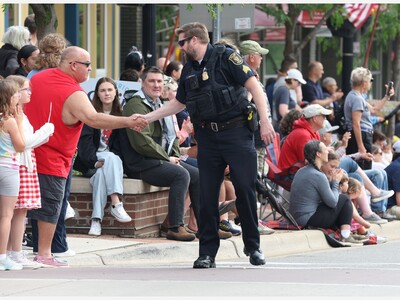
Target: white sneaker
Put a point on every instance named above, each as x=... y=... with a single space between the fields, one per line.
x=95 y=228
x=119 y=213
x=9 y=264
x=234 y=226
x=20 y=258
x=67 y=253
x=70 y=213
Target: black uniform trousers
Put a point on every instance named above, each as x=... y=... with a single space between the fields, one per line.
x=216 y=150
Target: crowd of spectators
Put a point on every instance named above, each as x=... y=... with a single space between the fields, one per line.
x=349 y=178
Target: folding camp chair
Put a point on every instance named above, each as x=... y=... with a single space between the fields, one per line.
x=275 y=184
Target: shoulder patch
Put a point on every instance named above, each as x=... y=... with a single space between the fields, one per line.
x=236 y=59
x=246 y=69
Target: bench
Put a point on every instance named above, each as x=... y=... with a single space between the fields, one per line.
x=146 y=204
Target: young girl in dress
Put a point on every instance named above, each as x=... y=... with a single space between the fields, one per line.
x=29 y=193
x=11 y=143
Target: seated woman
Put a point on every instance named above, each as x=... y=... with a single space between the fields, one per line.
x=95 y=160
x=316 y=202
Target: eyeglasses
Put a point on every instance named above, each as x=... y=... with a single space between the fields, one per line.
x=86 y=63
x=26 y=89
x=183 y=41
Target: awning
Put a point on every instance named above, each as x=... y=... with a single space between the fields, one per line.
x=310 y=19
x=273 y=31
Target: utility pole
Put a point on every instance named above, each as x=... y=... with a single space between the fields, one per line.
x=216 y=36
x=149 y=34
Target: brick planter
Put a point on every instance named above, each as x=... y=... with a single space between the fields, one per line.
x=147 y=205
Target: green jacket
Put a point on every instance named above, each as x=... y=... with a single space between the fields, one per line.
x=148 y=141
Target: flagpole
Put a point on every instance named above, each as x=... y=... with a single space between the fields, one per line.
x=371 y=38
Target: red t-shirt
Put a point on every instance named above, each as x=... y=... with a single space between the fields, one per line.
x=50 y=89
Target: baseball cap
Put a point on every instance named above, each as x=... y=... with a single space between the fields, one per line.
x=315 y=110
x=170 y=83
x=327 y=128
x=396 y=147
x=248 y=47
x=295 y=74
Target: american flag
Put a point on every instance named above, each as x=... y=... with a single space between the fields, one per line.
x=359 y=13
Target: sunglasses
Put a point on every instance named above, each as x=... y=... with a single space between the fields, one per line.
x=85 y=63
x=183 y=41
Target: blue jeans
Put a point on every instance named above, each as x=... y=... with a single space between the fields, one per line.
x=378 y=178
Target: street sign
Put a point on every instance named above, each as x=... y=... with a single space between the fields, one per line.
x=233 y=17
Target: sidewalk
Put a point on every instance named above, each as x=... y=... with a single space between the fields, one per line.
x=111 y=250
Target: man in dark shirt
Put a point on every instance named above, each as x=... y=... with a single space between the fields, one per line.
x=312 y=90
x=213 y=87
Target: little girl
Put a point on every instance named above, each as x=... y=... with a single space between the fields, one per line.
x=11 y=142
x=29 y=193
x=354 y=191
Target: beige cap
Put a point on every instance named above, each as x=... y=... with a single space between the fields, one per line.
x=315 y=110
x=248 y=47
x=327 y=128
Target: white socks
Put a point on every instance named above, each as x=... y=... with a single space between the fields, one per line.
x=345 y=233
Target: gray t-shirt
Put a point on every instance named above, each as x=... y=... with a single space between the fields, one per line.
x=282 y=96
x=355 y=102
x=309 y=189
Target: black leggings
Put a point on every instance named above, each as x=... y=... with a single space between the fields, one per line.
x=327 y=217
x=353 y=148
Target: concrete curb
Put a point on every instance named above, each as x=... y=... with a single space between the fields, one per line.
x=94 y=252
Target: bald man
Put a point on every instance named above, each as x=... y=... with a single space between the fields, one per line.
x=58 y=98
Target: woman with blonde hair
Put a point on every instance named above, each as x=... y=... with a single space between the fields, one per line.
x=357 y=113
x=14 y=39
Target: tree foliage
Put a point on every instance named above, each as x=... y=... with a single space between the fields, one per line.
x=45 y=18
x=288 y=17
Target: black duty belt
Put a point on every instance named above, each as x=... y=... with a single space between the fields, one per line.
x=222 y=126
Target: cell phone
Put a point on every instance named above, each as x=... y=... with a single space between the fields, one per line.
x=390 y=86
x=101 y=159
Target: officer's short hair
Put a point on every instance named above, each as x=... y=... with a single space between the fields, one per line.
x=152 y=69
x=196 y=29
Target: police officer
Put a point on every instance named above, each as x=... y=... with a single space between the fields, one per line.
x=213 y=88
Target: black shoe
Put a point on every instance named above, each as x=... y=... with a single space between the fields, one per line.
x=256 y=257
x=27 y=240
x=204 y=262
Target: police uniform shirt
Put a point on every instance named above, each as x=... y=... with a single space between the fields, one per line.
x=235 y=70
